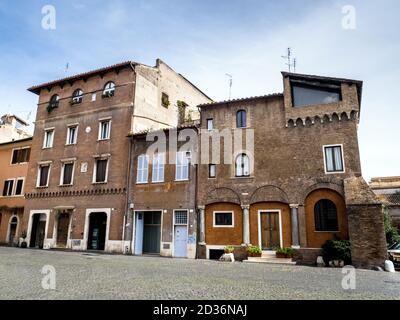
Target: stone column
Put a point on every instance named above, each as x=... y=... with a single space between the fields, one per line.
x=246 y=225
x=202 y=224
x=295 y=225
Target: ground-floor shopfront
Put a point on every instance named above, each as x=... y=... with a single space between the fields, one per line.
x=80 y=223
x=164 y=232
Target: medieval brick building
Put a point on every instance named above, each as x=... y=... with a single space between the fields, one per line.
x=285 y=185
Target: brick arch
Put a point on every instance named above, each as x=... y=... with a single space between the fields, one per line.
x=269 y=193
x=315 y=239
x=333 y=185
x=222 y=195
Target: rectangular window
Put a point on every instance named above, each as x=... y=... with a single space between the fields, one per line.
x=142 y=169
x=67 y=173
x=101 y=170
x=21 y=155
x=8 y=188
x=43 y=175
x=72 y=134
x=333 y=159
x=182 y=165
x=210 y=124
x=18 y=187
x=48 y=138
x=212 y=170
x=223 y=219
x=304 y=95
x=158 y=167
x=104 y=130
x=181 y=217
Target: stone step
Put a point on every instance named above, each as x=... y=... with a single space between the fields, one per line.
x=269 y=260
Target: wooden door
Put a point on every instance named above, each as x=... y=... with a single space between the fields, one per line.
x=270 y=230
x=62 y=230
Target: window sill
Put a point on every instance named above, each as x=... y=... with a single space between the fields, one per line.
x=70 y=144
x=243 y=177
x=141 y=183
x=157 y=182
x=18 y=164
x=47 y=148
x=65 y=185
x=42 y=187
x=98 y=140
x=103 y=182
x=13 y=196
x=181 y=180
x=335 y=172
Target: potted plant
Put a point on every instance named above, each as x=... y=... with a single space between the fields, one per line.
x=229 y=249
x=254 y=251
x=284 y=253
x=23 y=237
x=336 y=253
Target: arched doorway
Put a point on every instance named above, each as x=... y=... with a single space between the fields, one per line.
x=97 y=231
x=12 y=231
x=325 y=217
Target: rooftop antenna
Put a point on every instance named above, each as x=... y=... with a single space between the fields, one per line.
x=230 y=84
x=66 y=67
x=290 y=63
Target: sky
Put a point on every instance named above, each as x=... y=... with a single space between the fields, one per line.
x=204 y=40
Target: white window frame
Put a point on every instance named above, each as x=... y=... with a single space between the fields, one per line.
x=95 y=169
x=12 y=189
x=46 y=132
x=22 y=188
x=156 y=167
x=249 y=163
x=41 y=164
x=324 y=156
x=178 y=167
x=12 y=155
x=109 y=129
x=224 y=226
x=64 y=162
x=75 y=125
x=141 y=169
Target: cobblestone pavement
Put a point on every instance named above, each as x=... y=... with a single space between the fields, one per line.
x=99 y=276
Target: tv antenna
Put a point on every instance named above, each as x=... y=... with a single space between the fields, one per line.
x=230 y=84
x=290 y=62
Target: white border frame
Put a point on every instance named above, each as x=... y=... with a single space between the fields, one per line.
x=30 y=221
x=342 y=152
x=88 y=212
x=57 y=213
x=188 y=165
x=69 y=126
x=45 y=136
x=63 y=163
x=259 y=212
x=211 y=247
x=22 y=188
x=12 y=189
x=95 y=169
x=109 y=120
x=224 y=226
x=48 y=174
x=134 y=228
x=137 y=168
x=173 y=231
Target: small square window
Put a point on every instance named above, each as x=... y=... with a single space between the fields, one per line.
x=223 y=219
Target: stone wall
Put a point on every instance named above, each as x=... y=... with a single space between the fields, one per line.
x=366 y=228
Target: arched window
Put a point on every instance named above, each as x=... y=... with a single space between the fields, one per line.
x=77 y=96
x=109 y=89
x=325 y=215
x=242 y=165
x=54 y=101
x=241 y=119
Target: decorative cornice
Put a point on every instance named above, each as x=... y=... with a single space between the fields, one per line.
x=325 y=118
x=76 y=193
